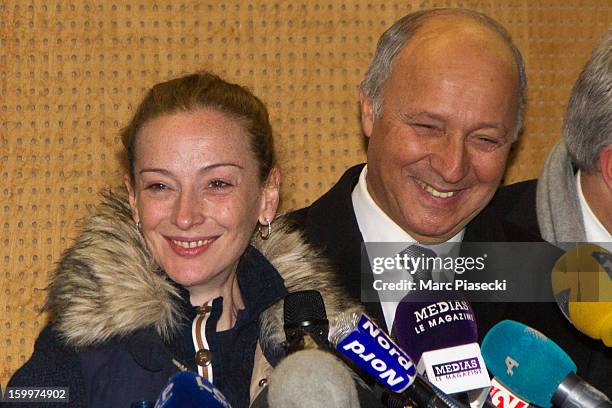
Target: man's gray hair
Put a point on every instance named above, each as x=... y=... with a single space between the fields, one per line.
x=587 y=127
x=399 y=34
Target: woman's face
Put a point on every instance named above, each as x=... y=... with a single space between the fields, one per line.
x=197 y=194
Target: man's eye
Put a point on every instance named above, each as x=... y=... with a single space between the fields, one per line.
x=427 y=128
x=488 y=140
x=487 y=143
x=424 y=126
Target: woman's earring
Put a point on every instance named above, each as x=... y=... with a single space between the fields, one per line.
x=139 y=227
x=264 y=232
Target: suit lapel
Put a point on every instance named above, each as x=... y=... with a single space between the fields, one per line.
x=332 y=224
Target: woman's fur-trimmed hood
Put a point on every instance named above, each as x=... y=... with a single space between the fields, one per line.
x=108 y=285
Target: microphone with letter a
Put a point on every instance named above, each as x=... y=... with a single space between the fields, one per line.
x=582 y=285
x=536 y=369
x=439 y=331
x=189 y=390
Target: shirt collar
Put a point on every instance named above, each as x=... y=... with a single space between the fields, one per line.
x=594 y=229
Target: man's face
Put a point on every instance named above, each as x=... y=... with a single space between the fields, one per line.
x=438 y=149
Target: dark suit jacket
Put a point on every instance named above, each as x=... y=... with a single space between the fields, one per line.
x=330 y=225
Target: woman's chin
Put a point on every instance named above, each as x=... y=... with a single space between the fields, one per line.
x=188 y=280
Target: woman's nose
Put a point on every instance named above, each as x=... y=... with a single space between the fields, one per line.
x=188 y=211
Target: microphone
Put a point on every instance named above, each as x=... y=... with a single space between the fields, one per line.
x=189 y=390
x=361 y=342
x=593 y=319
x=582 y=284
x=440 y=333
x=537 y=369
x=307 y=328
x=306 y=325
x=312 y=379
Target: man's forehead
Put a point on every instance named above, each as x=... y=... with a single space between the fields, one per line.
x=457 y=32
x=444 y=49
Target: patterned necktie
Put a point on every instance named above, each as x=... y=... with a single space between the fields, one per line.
x=421 y=263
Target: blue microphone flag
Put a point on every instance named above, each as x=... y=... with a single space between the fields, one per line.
x=369 y=347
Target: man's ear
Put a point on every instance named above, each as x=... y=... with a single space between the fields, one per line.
x=367 y=114
x=132 y=197
x=605 y=165
x=270 y=196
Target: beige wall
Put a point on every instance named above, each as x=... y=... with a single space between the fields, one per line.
x=71 y=73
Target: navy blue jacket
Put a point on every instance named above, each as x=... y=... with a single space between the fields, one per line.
x=136 y=367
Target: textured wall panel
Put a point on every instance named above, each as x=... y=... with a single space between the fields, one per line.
x=71 y=73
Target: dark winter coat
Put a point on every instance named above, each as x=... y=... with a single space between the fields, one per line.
x=119 y=328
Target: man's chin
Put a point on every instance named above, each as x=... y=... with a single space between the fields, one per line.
x=434 y=232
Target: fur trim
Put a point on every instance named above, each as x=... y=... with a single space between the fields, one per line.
x=302 y=268
x=107 y=284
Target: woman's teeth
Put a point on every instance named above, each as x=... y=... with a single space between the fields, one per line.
x=433 y=191
x=191 y=244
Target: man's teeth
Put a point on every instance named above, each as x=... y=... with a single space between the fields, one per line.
x=435 y=192
x=191 y=244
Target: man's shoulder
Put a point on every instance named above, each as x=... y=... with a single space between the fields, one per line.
x=297 y=218
x=514 y=206
x=333 y=209
x=512 y=195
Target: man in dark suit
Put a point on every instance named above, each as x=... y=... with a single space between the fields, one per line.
x=441 y=104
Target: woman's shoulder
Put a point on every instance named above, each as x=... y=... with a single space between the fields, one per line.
x=97 y=373
x=52 y=364
x=48 y=348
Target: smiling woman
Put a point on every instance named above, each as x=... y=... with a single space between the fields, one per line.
x=197 y=188
x=167 y=275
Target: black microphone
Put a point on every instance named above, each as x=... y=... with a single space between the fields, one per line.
x=307 y=328
x=306 y=325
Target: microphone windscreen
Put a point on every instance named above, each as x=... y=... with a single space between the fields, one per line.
x=312 y=379
x=582 y=284
x=425 y=321
x=593 y=319
x=527 y=362
x=305 y=305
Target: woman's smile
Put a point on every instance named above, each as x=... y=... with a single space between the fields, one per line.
x=190 y=247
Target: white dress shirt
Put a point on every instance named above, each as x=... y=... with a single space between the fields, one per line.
x=594 y=229
x=376 y=226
